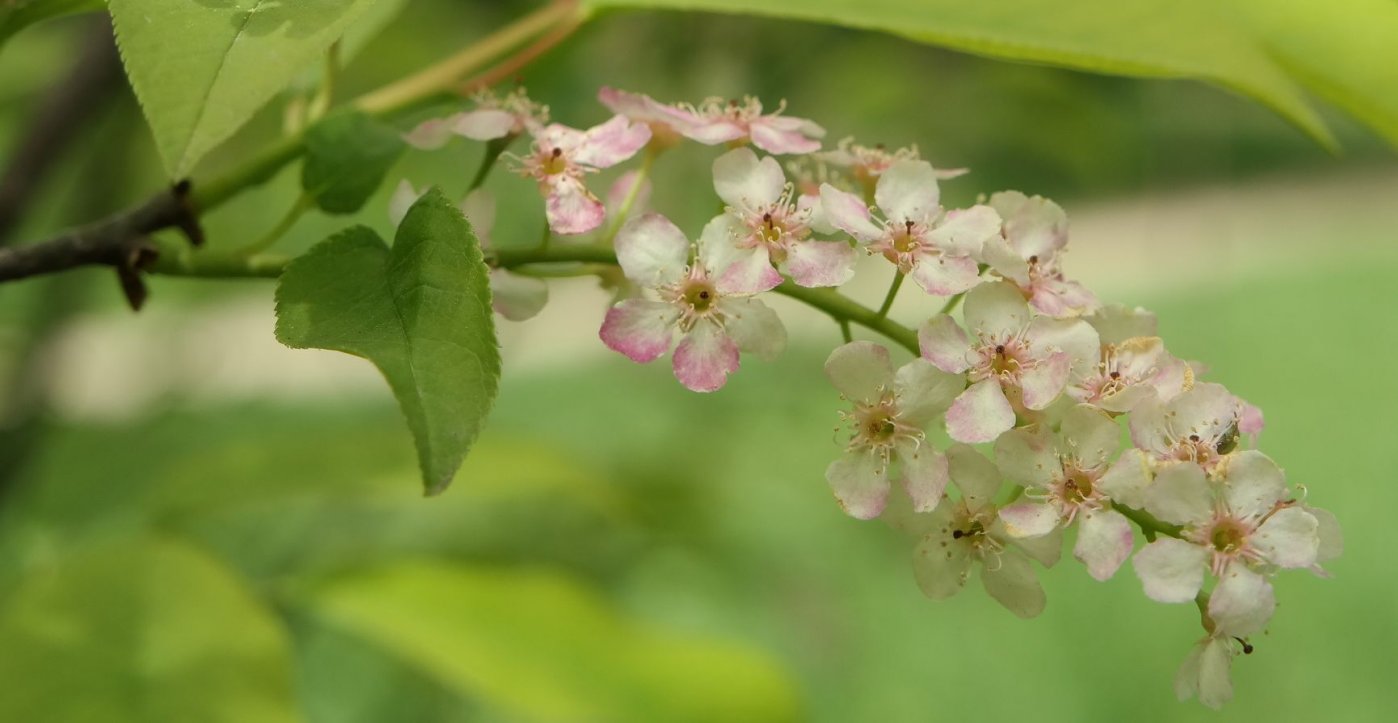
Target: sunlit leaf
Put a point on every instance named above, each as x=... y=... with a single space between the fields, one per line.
x=419 y=311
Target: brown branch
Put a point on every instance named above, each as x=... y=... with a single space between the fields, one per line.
x=93 y=79
x=120 y=241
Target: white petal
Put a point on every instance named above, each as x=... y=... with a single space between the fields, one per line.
x=1074 y=337
x=484 y=124
x=1089 y=435
x=996 y=308
x=1029 y=519
x=1180 y=495
x=820 y=263
x=1171 y=570
x=943 y=342
x=516 y=297
x=907 y=191
x=848 y=213
x=404 y=196
x=754 y=327
x=859 y=370
x=980 y=414
x=1253 y=484
x=1215 y=688
x=860 y=483
x=966 y=231
x=1104 y=542
x=1116 y=323
x=1045 y=549
x=430 y=134
x=1042 y=384
x=1127 y=478
x=943 y=275
x=745 y=183
x=941 y=564
x=975 y=476
x=1003 y=260
x=479 y=209
x=652 y=251
x=1208 y=410
x=1034 y=226
x=924 y=391
x=1014 y=584
x=1332 y=541
x=1242 y=602
x=925 y=474
x=1026 y=456
x=1289 y=538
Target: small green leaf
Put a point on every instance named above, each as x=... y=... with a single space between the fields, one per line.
x=141 y=631
x=16 y=15
x=201 y=68
x=347 y=156
x=420 y=312
x=537 y=646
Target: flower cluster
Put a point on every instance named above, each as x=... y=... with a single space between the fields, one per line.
x=1021 y=360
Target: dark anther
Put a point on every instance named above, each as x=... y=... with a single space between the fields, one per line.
x=704 y=295
x=957 y=534
x=909 y=225
x=1194 y=438
x=1000 y=349
x=557 y=152
x=1116 y=375
x=1034 y=259
x=1247 y=647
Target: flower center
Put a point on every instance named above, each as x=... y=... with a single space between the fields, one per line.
x=699 y=295
x=1003 y=362
x=877 y=425
x=1228 y=537
x=554 y=163
x=906 y=239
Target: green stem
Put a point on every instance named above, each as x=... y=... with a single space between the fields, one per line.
x=1150 y=526
x=632 y=194
x=293 y=214
x=323 y=97
x=950 y=306
x=845 y=332
x=892 y=293
x=493 y=150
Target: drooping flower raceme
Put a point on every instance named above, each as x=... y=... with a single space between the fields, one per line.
x=1016 y=362
x=561 y=156
x=937 y=248
x=891 y=412
x=714 y=321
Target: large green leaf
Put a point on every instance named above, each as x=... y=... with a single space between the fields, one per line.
x=420 y=312
x=347 y=156
x=1150 y=38
x=202 y=67
x=16 y=15
x=145 y=631
x=539 y=647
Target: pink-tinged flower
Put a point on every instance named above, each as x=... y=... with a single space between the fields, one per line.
x=865 y=164
x=716 y=121
x=493 y=118
x=1130 y=372
x=965 y=532
x=1332 y=541
x=665 y=121
x=1237 y=529
x=1199 y=425
x=891 y=412
x=1205 y=671
x=713 y=321
x=1028 y=254
x=936 y=248
x=561 y=156
x=512 y=296
x=1116 y=323
x=1015 y=361
x=1061 y=474
x=765 y=229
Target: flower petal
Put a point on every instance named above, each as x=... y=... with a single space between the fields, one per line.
x=610 y=143
x=847 y=212
x=431 y=134
x=1180 y=495
x=1089 y=435
x=975 y=476
x=943 y=342
x=980 y=414
x=1029 y=519
x=941 y=564
x=965 y=231
x=925 y=474
x=516 y=297
x=1253 y=483
x=996 y=308
x=705 y=358
x=1045 y=549
x=1332 y=541
x=484 y=124
x=860 y=370
x=1043 y=383
x=745 y=183
x=1014 y=584
x=1116 y=323
x=1073 y=337
x=907 y=191
x=404 y=196
x=1026 y=456
x=1289 y=538
x=754 y=327
x=1204 y=674
x=712 y=132
x=924 y=391
x=859 y=480
x=1104 y=542
x=479 y=209
x=571 y=208
x=773 y=138
x=820 y=263
x=943 y=275
x=652 y=251
x=622 y=188
x=1034 y=226
x=1242 y=602
x=1126 y=480
x=1171 y=570
x=639 y=328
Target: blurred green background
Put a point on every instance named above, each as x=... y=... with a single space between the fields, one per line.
x=196 y=524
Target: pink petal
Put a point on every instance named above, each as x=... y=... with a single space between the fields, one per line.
x=1056 y=297
x=1042 y=384
x=705 y=358
x=859 y=370
x=1074 y=337
x=925 y=474
x=774 y=139
x=484 y=124
x=652 y=251
x=1171 y=570
x=820 y=263
x=610 y=143
x=980 y=414
x=639 y=328
x=571 y=208
x=1104 y=542
x=712 y=132
x=943 y=342
x=1029 y=519
x=859 y=480
x=907 y=191
x=945 y=275
x=848 y=213
x=745 y=183
x=749 y=272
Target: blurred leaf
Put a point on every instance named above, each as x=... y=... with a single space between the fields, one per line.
x=1147 y=38
x=143 y=630
x=420 y=312
x=347 y=156
x=539 y=647
x=202 y=67
x=16 y=15
x=1345 y=51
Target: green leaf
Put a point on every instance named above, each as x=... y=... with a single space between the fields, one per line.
x=141 y=631
x=1146 y=38
x=347 y=156
x=420 y=312
x=16 y=15
x=201 y=68
x=538 y=646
